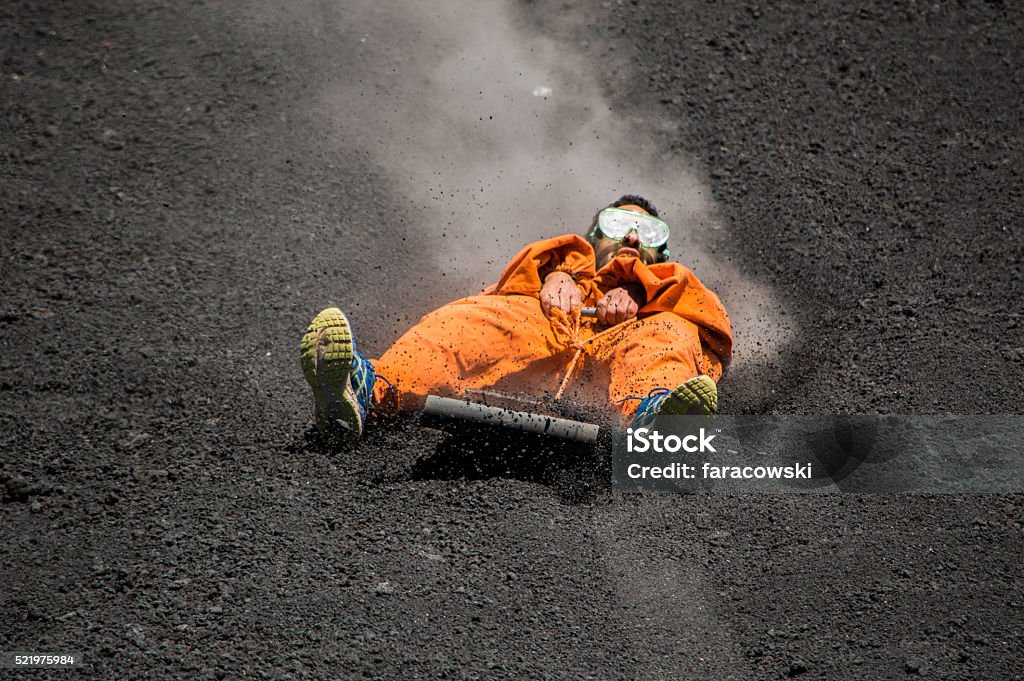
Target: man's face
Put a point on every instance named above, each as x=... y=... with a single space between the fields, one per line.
x=606 y=248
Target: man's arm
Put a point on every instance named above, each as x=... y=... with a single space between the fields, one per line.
x=559 y=291
x=618 y=305
x=621 y=304
x=671 y=287
x=528 y=271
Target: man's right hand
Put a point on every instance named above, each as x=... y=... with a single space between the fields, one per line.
x=559 y=290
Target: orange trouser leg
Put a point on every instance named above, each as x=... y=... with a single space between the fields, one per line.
x=660 y=351
x=500 y=342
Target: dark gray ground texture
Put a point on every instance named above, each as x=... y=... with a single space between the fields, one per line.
x=169 y=226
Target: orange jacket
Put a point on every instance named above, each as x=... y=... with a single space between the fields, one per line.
x=670 y=287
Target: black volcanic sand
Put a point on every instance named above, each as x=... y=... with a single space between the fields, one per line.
x=169 y=227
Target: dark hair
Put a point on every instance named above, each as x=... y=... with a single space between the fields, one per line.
x=635 y=200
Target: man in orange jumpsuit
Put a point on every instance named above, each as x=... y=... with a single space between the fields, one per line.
x=660 y=337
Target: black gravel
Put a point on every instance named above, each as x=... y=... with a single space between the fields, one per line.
x=167 y=222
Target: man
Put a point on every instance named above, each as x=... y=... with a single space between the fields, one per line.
x=658 y=344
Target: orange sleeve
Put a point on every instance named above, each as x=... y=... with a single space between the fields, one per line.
x=569 y=253
x=671 y=287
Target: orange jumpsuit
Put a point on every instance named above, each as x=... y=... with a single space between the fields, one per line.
x=501 y=340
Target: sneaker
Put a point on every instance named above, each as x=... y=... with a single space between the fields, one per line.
x=341 y=379
x=697 y=397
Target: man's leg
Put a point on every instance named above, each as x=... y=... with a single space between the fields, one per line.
x=500 y=342
x=662 y=351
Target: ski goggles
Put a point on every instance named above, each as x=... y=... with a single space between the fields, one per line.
x=616 y=223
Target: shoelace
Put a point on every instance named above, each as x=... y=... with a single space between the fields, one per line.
x=391 y=388
x=369 y=408
x=647 y=410
x=653 y=393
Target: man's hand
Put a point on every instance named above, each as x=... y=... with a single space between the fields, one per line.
x=559 y=291
x=620 y=304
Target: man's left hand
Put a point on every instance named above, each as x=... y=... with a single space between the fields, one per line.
x=617 y=306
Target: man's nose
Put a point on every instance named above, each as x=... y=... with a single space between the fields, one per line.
x=632 y=239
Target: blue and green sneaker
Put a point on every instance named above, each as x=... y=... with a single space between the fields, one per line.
x=697 y=397
x=341 y=379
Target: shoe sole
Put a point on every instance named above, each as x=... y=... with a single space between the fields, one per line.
x=696 y=397
x=326 y=355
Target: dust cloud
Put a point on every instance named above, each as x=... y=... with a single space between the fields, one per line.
x=498 y=136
